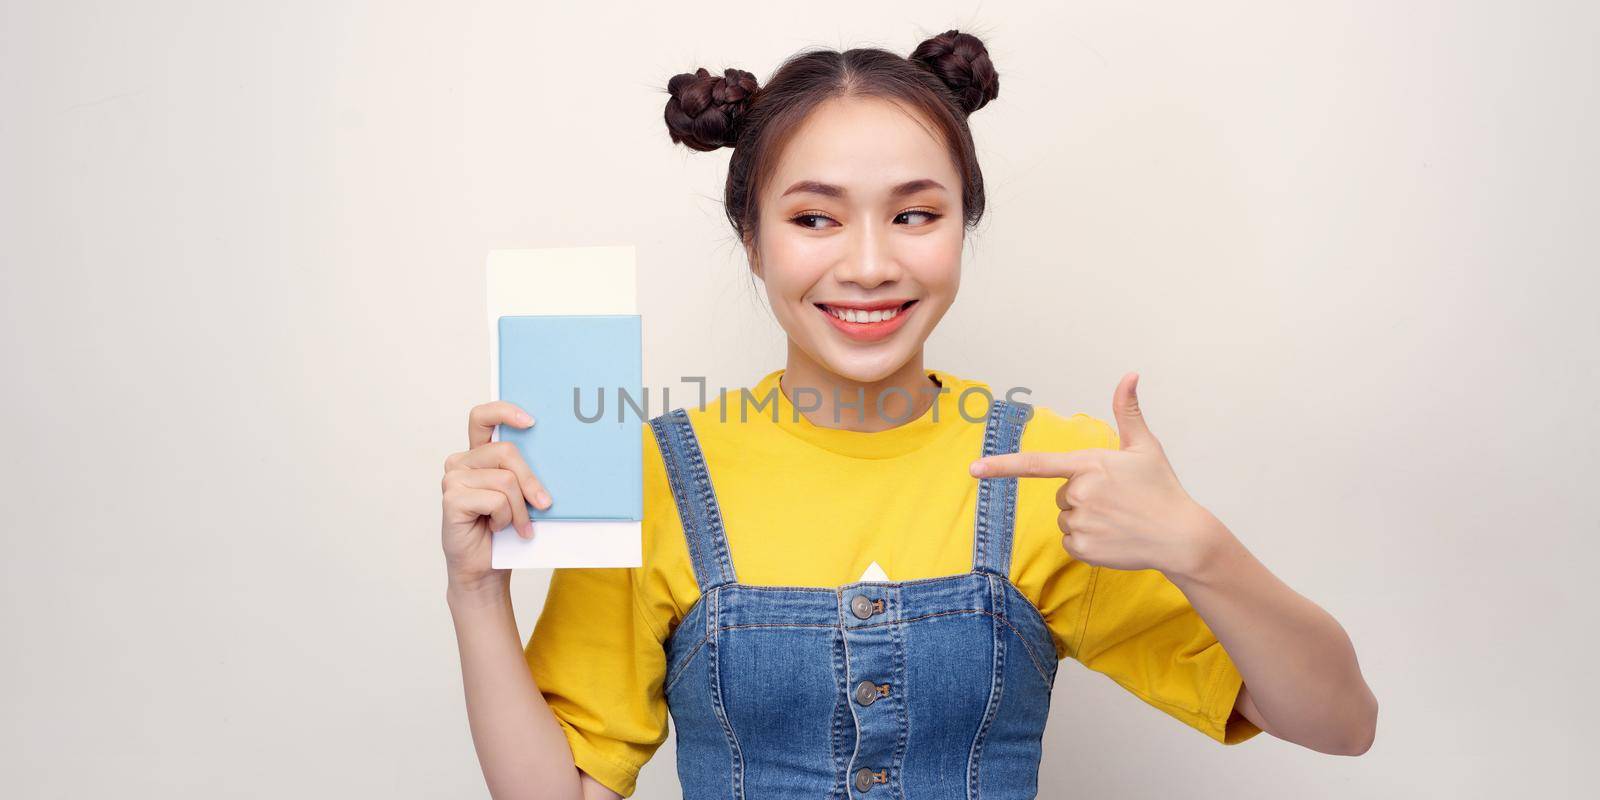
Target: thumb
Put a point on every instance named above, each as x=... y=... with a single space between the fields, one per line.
x=1131 y=427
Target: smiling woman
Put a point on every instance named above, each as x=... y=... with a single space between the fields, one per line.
x=853 y=180
x=861 y=254
x=852 y=184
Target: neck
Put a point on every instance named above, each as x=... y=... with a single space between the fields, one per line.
x=906 y=394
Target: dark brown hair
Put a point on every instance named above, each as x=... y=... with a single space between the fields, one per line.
x=945 y=79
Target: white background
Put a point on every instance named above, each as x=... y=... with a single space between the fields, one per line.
x=1349 y=246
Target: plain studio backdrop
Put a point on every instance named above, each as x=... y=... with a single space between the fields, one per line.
x=1350 y=248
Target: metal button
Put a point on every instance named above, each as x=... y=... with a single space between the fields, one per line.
x=865 y=778
x=863 y=606
x=868 y=692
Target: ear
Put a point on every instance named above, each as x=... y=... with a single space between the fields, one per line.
x=753 y=254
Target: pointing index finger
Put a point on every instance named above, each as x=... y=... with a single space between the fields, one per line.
x=1031 y=465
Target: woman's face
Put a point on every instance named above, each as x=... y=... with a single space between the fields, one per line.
x=863 y=212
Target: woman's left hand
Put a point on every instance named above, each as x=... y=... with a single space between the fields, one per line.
x=1122 y=509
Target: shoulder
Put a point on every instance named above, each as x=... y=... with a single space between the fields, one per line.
x=1045 y=428
x=1049 y=430
x=706 y=415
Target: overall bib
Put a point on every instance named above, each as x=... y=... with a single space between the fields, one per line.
x=924 y=689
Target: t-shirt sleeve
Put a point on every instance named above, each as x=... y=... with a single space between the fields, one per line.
x=1139 y=630
x=600 y=665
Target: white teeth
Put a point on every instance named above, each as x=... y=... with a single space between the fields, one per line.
x=856 y=315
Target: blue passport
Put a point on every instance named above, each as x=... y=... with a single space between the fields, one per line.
x=584 y=449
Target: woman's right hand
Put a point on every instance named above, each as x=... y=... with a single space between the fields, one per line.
x=484 y=489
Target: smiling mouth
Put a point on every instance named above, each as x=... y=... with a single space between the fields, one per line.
x=859 y=317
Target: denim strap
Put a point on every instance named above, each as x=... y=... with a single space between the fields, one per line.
x=697 y=502
x=997 y=497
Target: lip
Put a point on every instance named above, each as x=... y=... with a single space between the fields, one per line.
x=868 y=331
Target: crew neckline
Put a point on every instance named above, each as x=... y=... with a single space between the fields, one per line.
x=907 y=437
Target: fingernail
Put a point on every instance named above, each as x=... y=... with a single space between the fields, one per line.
x=527 y=529
x=524 y=418
x=544 y=499
x=978 y=469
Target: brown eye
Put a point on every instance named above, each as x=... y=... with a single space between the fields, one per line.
x=929 y=214
x=804 y=221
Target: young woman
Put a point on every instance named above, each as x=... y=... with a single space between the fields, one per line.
x=790 y=666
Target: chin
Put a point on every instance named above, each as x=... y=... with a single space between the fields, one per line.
x=866 y=366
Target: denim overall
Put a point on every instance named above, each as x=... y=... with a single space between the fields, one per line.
x=924 y=689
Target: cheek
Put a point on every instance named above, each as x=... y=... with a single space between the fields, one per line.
x=936 y=258
x=791 y=264
x=790 y=245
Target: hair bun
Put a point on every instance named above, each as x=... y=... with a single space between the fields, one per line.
x=962 y=63
x=704 y=112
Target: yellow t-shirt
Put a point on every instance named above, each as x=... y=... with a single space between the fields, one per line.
x=804 y=505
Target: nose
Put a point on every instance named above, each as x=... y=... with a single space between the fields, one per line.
x=870 y=258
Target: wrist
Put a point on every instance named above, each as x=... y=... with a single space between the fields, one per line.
x=1211 y=554
x=471 y=590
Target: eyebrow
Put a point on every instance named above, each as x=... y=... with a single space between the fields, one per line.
x=830 y=190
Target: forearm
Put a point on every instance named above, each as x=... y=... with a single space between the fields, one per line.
x=1296 y=659
x=520 y=746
